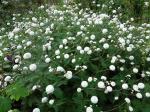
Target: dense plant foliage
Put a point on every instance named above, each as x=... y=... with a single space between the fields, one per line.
x=68 y=59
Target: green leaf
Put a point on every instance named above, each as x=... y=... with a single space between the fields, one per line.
x=17 y=91
x=5 y=104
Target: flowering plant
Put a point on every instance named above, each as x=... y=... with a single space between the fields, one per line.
x=71 y=60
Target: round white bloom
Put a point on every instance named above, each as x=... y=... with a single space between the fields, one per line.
x=36 y=110
x=79 y=90
x=131 y=57
x=106 y=46
x=32 y=67
x=15 y=67
x=130 y=109
x=49 y=89
x=65 y=41
x=141 y=85
x=7 y=79
x=113 y=83
x=103 y=77
x=129 y=49
x=84 y=84
x=60 y=69
x=112 y=67
x=28 y=43
x=79 y=48
x=47 y=60
x=57 y=52
x=44 y=99
x=101 y=84
x=27 y=56
x=125 y=86
x=25 y=68
x=148 y=59
x=109 y=89
x=135 y=87
x=139 y=95
x=135 y=70
x=147 y=94
x=51 y=102
x=73 y=60
x=104 y=31
x=34 y=87
x=94 y=99
x=89 y=52
x=68 y=75
x=127 y=100
x=17 y=60
x=81 y=51
x=90 y=79
x=116 y=98
x=89 y=109
x=92 y=37
x=66 y=56
x=86 y=49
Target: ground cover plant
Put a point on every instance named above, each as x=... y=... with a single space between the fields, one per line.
x=67 y=59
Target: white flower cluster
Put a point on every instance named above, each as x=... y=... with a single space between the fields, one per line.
x=92 y=51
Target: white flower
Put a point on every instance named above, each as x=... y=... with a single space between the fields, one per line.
x=127 y=100
x=90 y=79
x=65 y=41
x=112 y=67
x=84 y=84
x=25 y=68
x=49 y=89
x=125 y=86
x=103 y=77
x=68 y=75
x=79 y=90
x=73 y=60
x=141 y=85
x=113 y=83
x=139 y=95
x=32 y=67
x=104 y=31
x=147 y=94
x=79 y=48
x=57 y=52
x=101 y=84
x=135 y=87
x=116 y=98
x=60 y=69
x=66 y=56
x=109 y=89
x=27 y=56
x=92 y=37
x=47 y=60
x=86 y=49
x=89 y=109
x=148 y=59
x=106 y=46
x=94 y=99
x=135 y=70
x=44 y=99
x=51 y=102
x=36 y=110
x=130 y=108
x=7 y=79
x=28 y=43
x=34 y=87
x=129 y=49
x=15 y=67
